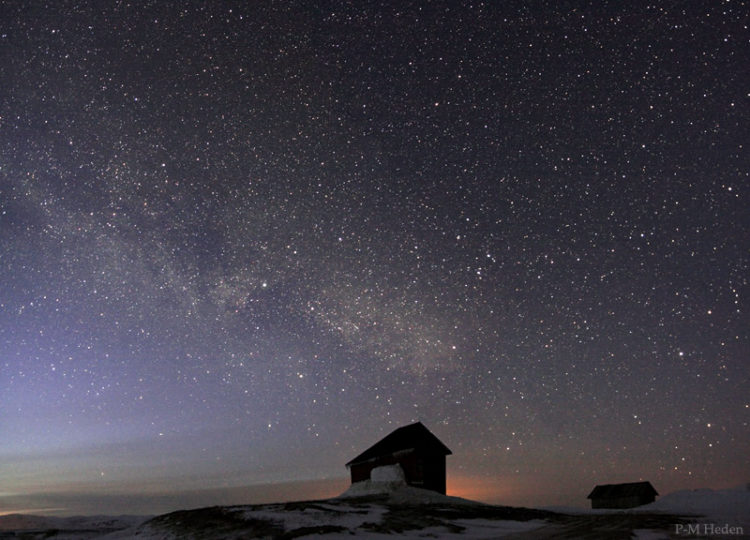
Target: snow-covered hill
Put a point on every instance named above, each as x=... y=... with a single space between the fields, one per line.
x=387 y=508
x=398 y=514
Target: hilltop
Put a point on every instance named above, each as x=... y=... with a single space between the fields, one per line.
x=391 y=510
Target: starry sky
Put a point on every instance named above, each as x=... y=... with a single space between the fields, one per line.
x=240 y=242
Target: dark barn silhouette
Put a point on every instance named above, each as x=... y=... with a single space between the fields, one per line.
x=420 y=454
x=622 y=495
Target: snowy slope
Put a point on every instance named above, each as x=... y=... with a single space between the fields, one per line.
x=386 y=508
x=366 y=517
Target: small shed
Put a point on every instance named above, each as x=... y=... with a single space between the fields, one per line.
x=622 y=495
x=420 y=454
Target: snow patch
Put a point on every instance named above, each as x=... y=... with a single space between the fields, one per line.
x=400 y=493
x=490 y=528
x=388 y=473
x=320 y=514
x=383 y=480
x=390 y=480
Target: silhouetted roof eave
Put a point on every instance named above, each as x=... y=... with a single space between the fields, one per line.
x=412 y=437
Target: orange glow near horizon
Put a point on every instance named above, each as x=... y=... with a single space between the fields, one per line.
x=480 y=489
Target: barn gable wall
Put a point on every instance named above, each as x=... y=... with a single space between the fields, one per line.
x=420 y=470
x=420 y=454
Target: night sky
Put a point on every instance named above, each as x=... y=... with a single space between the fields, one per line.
x=241 y=242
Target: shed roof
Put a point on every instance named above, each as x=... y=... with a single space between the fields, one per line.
x=412 y=436
x=632 y=489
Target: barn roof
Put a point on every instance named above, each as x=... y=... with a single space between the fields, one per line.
x=612 y=491
x=404 y=438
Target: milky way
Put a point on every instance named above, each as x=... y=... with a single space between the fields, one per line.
x=240 y=243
